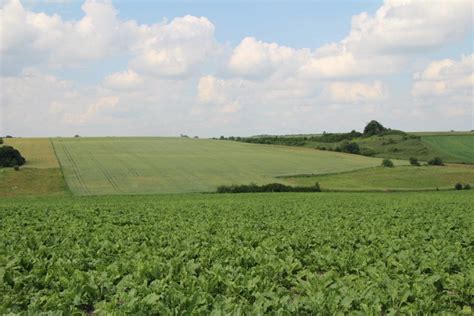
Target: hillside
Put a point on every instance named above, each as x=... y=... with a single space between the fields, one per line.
x=453 y=147
x=40 y=175
x=399 y=178
x=173 y=165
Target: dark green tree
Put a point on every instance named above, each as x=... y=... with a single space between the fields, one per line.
x=373 y=128
x=10 y=157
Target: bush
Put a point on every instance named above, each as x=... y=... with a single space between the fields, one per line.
x=467 y=186
x=436 y=161
x=10 y=157
x=414 y=161
x=387 y=163
x=458 y=186
x=1 y=140
x=16 y=168
x=352 y=148
x=271 y=187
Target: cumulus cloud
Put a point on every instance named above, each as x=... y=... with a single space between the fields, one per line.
x=176 y=48
x=354 y=92
x=172 y=49
x=445 y=77
x=126 y=80
x=178 y=77
x=448 y=86
x=253 y=58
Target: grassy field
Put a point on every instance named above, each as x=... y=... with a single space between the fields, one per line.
x=32 y=182
x=40 y=176
x=174 y=165
x=38 y=152
x=399 y=178
x=459 y=148
x=287 y=254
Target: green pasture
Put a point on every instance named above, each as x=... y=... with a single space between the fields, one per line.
x=398 y=178
x=458 y=148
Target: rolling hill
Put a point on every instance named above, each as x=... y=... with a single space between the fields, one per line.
x=94 y=166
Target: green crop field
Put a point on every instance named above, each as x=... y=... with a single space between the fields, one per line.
x=456 y=148
x=398 y=178
x=313 y=253
x=173 y=165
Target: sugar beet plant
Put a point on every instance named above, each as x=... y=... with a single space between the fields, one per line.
x=250 y=254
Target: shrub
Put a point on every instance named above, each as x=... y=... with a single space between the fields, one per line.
x=414 y=161
x=467 y=186
x=352 y=148
x=1 y=140
x=387 y=163
x=271 y=187
x=458 y=186
x=10 y=157
x=16 y=168
x=436 y=161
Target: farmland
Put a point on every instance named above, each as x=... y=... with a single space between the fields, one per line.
x=372 y=253
x=399 y=178
x=38 y=152
x=458 y=148
x=94 y=166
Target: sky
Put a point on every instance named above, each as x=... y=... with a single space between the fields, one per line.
x=234 y=68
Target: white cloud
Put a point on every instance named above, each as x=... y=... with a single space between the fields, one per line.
x=126 y=80
x=405 y=26
x=446 y=77
x=175 y=49
x=355 y=92
x=253 y=58
x=178 y=77
x=171 y=49
x=96 y=110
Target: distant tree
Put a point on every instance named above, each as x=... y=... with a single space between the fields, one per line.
x=222 y=137
x=458 y=186
x=196 y=137
x=1 y=141
x=387 y=163
x=10 y=157
x=76 y=136
x=373 y=128
x=8 y=136
x=467 y=186
x=414 y=161
x=436 y=161
x=352 y=148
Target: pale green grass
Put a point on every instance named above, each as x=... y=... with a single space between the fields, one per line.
x=38 y=152
x=456 y=148
x=32 y=182
x=398 y=178
x=172 y=165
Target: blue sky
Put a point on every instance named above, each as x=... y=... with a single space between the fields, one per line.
x=235 y=68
